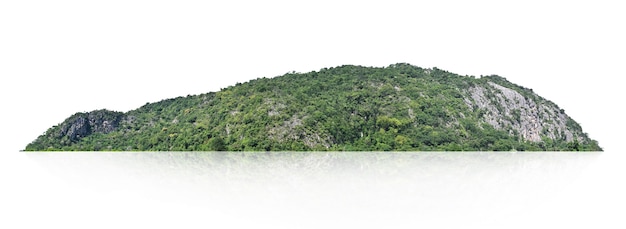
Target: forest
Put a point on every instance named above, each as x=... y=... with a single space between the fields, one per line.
x=400 y=107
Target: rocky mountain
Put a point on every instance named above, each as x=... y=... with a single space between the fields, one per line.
x=354 y=108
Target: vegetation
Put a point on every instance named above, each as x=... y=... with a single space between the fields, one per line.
x=349 y=108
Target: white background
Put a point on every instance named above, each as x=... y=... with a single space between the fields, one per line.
x=62 y=57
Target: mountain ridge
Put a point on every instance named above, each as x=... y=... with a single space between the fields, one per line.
x=398 y=107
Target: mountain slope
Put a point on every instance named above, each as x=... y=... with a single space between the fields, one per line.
x=399 y=107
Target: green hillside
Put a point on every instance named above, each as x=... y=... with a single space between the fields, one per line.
x=352 y=108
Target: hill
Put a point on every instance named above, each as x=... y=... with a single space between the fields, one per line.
x=353 y=108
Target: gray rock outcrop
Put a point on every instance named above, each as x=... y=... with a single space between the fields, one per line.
x=82 y=125
x=507 y=109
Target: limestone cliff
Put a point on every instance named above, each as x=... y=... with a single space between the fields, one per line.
x=511 y=111
x=84 y=124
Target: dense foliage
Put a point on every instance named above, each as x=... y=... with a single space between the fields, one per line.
x=347 y=108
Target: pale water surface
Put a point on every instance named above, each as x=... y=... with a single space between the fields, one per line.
x=312 y=190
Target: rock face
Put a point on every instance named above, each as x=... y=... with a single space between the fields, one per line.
x=84 y=124
x=293 y=130
x=516 y=113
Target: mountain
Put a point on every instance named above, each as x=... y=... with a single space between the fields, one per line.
x=354 y=108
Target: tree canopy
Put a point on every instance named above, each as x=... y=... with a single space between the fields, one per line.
x=347 y=108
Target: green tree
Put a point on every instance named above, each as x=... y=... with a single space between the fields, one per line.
x=216 y=144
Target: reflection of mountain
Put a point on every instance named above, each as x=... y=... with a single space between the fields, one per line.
x=243 y=168
x=385 y=183
x=350 y=108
